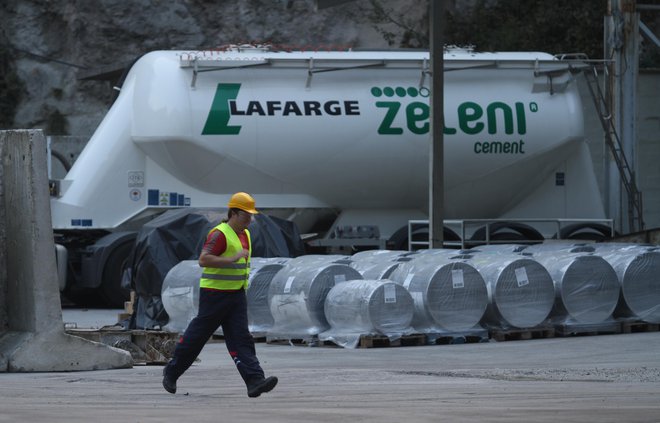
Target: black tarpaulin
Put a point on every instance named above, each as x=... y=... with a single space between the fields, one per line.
x=179 y=235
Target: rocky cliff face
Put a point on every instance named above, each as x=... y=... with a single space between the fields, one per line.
x=47 y=46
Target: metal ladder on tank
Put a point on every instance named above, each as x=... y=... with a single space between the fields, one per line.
x=635 y=209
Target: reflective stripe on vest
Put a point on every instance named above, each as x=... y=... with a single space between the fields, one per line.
x=231 y=276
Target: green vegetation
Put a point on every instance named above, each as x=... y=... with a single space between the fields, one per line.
x=560 y=26
x=57 y=124
x=11 y=88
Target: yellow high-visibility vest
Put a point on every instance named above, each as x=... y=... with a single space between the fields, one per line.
x=233 y=276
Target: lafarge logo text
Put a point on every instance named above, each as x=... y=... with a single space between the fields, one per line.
x=224 y=106
x=403 y=110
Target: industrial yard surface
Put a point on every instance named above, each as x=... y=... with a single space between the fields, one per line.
x=605 y=378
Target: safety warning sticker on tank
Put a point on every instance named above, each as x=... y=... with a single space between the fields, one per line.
x=81 y=222
x=156 y=197
x=340 y=278
x=135 y=178
x=135 y=194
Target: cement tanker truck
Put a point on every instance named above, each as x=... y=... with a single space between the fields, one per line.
x=312 y=134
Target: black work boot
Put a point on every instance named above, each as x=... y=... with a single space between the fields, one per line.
x=260 y=386
x=169 y=383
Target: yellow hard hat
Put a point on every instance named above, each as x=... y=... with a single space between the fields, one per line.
x=242 y=201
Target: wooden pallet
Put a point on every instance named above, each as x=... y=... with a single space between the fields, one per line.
x=521 y=334
x=379 y=341
x=639 y=326
x=574 y=329
x=457 y=339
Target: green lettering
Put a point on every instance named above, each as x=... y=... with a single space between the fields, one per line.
x=520 y=118
x=470 y=112
x=492 y=118
x=385 y=127
x=217 y=122
x=417 y=112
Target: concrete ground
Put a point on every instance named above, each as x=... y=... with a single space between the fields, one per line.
x=608 y=378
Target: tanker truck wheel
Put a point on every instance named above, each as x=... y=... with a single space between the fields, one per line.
x=111 y=290
x=586 y=232
x=507 y=232
x=399 y=240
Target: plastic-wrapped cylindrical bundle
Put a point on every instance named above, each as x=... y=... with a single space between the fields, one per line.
x=499 y=248
x=316 y=259
x=374 y=269
x=379 y=255
x=441 y=252
x=262 y=271
x=520 y=290
x=361 y=307
x=560 y=247
x=638 y=272
x=622 y=247
x=297 y=295
x=586 y=287
x=449 y=295
x=180 y=294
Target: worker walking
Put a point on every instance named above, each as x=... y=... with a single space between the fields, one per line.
x=225 y=258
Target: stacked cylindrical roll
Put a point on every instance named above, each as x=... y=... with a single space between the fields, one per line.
x=449 y=295
x=180 y=294
x=520 y=290
x=297 y=295
x=638 y=273
x=586 y=287
x=262 y=272
x=361 y=307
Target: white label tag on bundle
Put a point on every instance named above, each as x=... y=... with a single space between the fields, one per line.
x=409 y=278
x=340 y=278
x=457 y=278
x=521 y=277
x=287 y=285
x=390 y=293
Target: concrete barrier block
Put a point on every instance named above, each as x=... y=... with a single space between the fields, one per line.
x=32 y=336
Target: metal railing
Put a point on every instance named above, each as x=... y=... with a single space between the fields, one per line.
x=467 y=228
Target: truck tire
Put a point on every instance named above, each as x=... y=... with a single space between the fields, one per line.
x=111 y=291
x=508 y=232
x=399 y=240
x=586 y=232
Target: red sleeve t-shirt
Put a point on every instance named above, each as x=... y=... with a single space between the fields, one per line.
x=216 y=242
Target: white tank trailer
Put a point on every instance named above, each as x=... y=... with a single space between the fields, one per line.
x=327 y=133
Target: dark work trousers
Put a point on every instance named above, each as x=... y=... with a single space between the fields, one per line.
x=218 y=308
